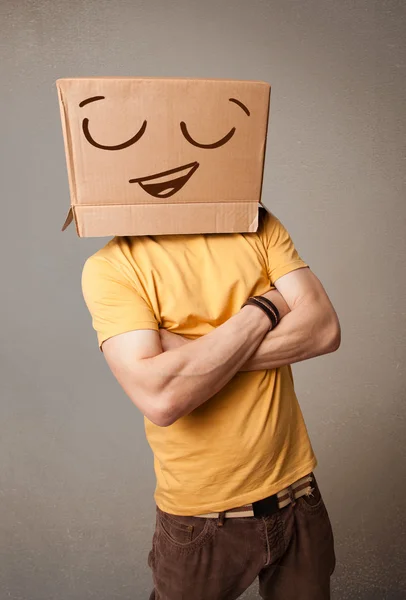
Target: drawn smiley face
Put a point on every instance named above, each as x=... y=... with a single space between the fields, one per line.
x=169 y=182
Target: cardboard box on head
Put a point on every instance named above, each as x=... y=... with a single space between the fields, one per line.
x=150 y=156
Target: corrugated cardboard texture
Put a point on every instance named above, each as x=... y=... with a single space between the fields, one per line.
x=164 y=156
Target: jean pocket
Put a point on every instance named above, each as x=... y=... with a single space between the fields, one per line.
x=185 y=532
x=313 y=502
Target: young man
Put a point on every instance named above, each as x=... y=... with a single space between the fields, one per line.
x=236 y=495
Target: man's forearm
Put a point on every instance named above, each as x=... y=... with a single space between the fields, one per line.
x=194 y=372
x=309 y=328
x=301 y=334
x=305 y=332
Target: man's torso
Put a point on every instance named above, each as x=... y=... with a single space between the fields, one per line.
x=249 y=440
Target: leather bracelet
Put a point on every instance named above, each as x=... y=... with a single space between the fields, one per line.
x=254 y=302
x=269 y=308
x=270 y=304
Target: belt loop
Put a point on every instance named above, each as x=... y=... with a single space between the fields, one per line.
x=221 y=517
x=291 y=495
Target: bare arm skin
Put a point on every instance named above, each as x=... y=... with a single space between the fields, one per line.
x=168 y=385
x=309 y=327
x=171 y=340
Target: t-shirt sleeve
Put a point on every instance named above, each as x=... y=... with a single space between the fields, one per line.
x=113 y=302
x=282 y=256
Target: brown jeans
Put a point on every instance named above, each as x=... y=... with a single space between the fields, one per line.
x=291 y=552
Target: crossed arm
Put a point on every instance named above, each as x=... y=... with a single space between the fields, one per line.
x=167 y=383
x=309 y=327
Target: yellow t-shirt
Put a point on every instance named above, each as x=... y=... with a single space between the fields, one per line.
x=249 y=440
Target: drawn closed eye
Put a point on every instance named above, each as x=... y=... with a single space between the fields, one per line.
x=130 y=142
x=217 y=144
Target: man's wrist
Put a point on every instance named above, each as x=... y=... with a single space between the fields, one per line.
x=279 y=301
x=257 y=315
x=267 y=307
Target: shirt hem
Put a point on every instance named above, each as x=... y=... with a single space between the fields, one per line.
x=242 y=499
x=133 y=327
x=293 y=266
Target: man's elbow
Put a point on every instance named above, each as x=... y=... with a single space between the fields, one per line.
x=164 y=419
x=331 y=335
x=163 y=413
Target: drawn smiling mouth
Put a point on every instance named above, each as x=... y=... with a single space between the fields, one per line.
x=163 y=185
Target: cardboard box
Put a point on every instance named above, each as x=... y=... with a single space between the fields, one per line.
x=150 y=156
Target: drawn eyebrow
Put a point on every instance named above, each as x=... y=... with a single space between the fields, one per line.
x=241 y=105
x=92 y=99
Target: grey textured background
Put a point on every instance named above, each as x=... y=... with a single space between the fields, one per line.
x=76 y=483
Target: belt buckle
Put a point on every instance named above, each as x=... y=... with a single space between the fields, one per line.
x=266 y=506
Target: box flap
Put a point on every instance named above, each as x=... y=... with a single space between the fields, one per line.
x=68 y=219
